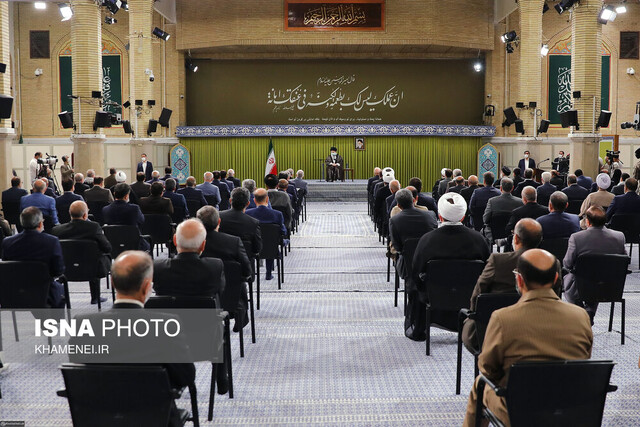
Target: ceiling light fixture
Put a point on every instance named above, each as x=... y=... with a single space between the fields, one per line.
x=65 y=11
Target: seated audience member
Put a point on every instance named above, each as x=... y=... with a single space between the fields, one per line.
x=458 y=186
x=444 y=184
x=505 y=172
x=51 y=187
x=155 y=203
x=301 y=184
x=209 y=189
x=132 y=278
x=90 y=176
x=155 y=177
x=250 y=185
x=394 y=187
x=528 y=181
x=236 y=222
x=424 y=200
x=557 y=223
x=167 y=173
x=627 y=203
x=231 y=176
x=225 y=193
x=121 y=178
x=583 y=181
x=224 y=180
x=187 y=274
x=530 y=209
x=529 y=330
x=480 y=197
x=110 y=181
x=80 y=187
x=266 y=215
x=98 y=193
x=409 y=223
x=456 y=173
x=190 y=192
x=13 y=194
x=414 y=192
x=34 y=245
x=436 y=185
x=557 y=180
x=177 y=200
x=141 y=188
x=80 y=228
x=38 y=199
x=121 y=212
x=546 y=189
x=573 y=190
x=517 y=177
x=5 y=229
x=278 y=199
x=451 y=240
x=467 y=192
x=618 y=189
x=505 y=203
x=596 y=239
x=283 y=186
x=377 y=176
x=601 y=198
x=64 y=201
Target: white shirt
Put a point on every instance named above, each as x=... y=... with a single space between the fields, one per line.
x=144 y=166
x=34 y=167
x=129 y=301
x=526 y=164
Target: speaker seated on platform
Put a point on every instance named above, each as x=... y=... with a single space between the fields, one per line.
x=165 y=115
x=102 y=120
x=126 y=125
x=510 y=116
x=66 y=119
x=544 y=126
x=569 y=118
x=153 y=126
x=6 y=102
x=519 y=126
x=603 y=119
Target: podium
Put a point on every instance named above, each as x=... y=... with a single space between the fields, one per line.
x=537 y=174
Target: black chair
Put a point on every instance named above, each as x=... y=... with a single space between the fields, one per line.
x=193 y=206
x=629 y=224
x=449 y=286
x=271 y=249
x=63 y=213
x=408 y=250
x=486 y=304
x=558 y=393
x=95 y=209
x=476 y=216
x=233 y=290
x=122 y=238
x=81 y=259
x=574 y=206
x=601 y=278
x=121 y=395
x=48 y=223
x=201 y=302
x=160 y=228
x=11 y=213
x=285 y=212
x=498 y=226
x=211 y=200
x=225 y=195
x=558 y=247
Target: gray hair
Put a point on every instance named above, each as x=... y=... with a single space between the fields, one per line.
x=194 y=242
x=529 y=193
x=404 y=198
x=546 y=177
x=155 y=174
x=209 y=217
x=457 y=172
x=30 y=218
x=300 y=174
x=506 y=184
x=249 y=184
x=208 y=176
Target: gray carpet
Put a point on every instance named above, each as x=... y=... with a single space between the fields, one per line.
x=330 y=347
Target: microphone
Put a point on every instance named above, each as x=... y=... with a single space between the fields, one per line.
x=545 y=160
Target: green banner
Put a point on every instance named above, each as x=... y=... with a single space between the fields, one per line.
x=560 y=90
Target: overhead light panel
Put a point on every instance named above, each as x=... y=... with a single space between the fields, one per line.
x=622 y=8
x=40 y=5
x=190 y=65
x=161 y=34
x=477 y=66
x=65 y=11
x=607 y=14
x=544 y=50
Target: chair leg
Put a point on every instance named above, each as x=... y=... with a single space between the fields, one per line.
x=279 y=279
x=228 y=351
x=428 y=332
x=476 y=371
x=388 y=269
x=107 y=280
x=15 y=325
x=282 y=267
x=212 y=392
x=241 y=336
x=193 y=394
x=397 y=288
x=257 y=283
x=611 y=316
x=459 y=362
x=622 y=321
x=253 y=320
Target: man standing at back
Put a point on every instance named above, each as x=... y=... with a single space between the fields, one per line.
x=145 y=166
x=14 y=194
x=538 y=327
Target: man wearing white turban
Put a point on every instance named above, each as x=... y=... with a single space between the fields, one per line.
x=451 y=240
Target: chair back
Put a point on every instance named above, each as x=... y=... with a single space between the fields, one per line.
x=158 y=226
x=476 y=216
x=558 y=393
x=284 y=211
x=63 y=213
x=601 y=278
x=193 y=206
x=211 y=200
x=450 y=283
x=95 y=209
x=408 y=251
x=629 y=224
x=271 y=239
x=558 y=247
x=48 y=223
x=225 y=195
x=179 y=214
x=122 y=238
x=11 y=212
x=574 y=207
x=24 y=284
x=234 y=286
x=117 y=395
x=80 y=259
x=485 y=306
x=498 y=225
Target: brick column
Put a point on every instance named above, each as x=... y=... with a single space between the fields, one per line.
x=530 y=62
x=7 y=133
x=86 y=45
x=586 y=36
x=141 y=59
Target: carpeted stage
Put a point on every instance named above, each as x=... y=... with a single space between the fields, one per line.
x=330 y=346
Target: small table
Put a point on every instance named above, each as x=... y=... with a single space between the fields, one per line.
x=344 y=175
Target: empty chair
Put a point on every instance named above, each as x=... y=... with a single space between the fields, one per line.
x=122 y=238
x=629 y=224
x=271 y=245
x=558 y=247
x=160 y=228
x=81 y=263
x=559 y=393
x=192 y=206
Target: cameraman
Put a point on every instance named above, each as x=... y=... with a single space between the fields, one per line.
x=65 y=169
x=34 y=167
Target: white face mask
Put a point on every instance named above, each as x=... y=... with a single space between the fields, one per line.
x=526 y=156
x=144 y=159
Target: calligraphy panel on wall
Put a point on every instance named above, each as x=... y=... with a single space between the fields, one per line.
x=334 y=15
x=560 y=91
x=256 y=92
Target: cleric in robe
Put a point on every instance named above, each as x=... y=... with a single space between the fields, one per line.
x=335 y=165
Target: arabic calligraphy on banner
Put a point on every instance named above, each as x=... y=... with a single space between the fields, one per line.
x=363 y=15
x=564 y=90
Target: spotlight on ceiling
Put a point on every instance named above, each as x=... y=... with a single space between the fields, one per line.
x=607 y=14
x=564 y=5
x=508 y=37
x=622 y=8
x=544 y=50
x=40 y=5
x=110 y=20
x=604 y=119
x=190 y=65
x=112 y=5
x=519 y=126
x=569 y=118
x=65 y=11
x=544 y=126
x=477 y=66
x=161 y=34
x=126 y=104
x=509 y=116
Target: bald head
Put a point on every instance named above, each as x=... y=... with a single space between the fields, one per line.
x=39 y=186
x=208 y=177
x=376 y=171
x=260 y=196
x=131 y=275
x=190 y=236
x=394 y=186
x=527 y=234
x=473 y=180
x=78 y=210
x=537 y=269
x=529 y=194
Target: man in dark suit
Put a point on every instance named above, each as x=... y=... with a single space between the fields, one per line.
x=546 y=189
x=573 y=190
x=628 y=203
x=140 y=187
x=423 y=198
x=155 y=203
x=394 y=187
x=225 y=193
x=528 y=181
x=530 y=209
x=557 y=223
x=583 y=181
x=167 y=173
x=231 y=176
x=98 y=193
x=557 y=180
x=177 y=200
x=527 y=162
x=121 y=212
x=80 y=228
x=51 y=188
x=80 y=187
x=480 y=198
x=450 y=241
x=505 y=172
x=145 y=166
x=64 y=201
x=443 y=186
x=458 y=185
x=155 y=177
x=208 y=188
x=190 y=192
x=110 y=181
x=223 y=179
x=505 y=203
x=379 y=200
x=301 y=184
x=467 y=192
x=34 y=245
x=11 y=201
x=290 y=189
x=618 y=189
x=278 y=199
x=267 y=215
x=517 y=176
x=236 y=222
x=46 y=204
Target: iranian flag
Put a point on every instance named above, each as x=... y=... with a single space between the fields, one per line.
x=271 y=166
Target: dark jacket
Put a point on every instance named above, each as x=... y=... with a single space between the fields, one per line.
x=13 y=195
x=556 y=225
x=228 y=247
x=156 y=205
x=467 y=192
x=544 y=193
x=188 y=275
x=178 y=201
x=80 y=188
x=530 y=210
x=267 y=215
x=63 y=202
x=527 y=182
x=142 y=189
x=83 y=230
x=576 y=192
x=147 y=171
x=98 y=194
x=239 y=224
x=122 y=213
x=585 y=182
x=628 y=203
x=410 y=224
x=191 y=193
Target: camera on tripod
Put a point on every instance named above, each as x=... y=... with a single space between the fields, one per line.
x=613 y=156
x=50 y=161
x=636 y=120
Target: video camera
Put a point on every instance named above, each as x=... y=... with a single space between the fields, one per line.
x=51 y=161
x=636 y=120
x=613 y=156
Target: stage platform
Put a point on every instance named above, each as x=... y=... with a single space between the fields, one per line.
x=338 y=191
